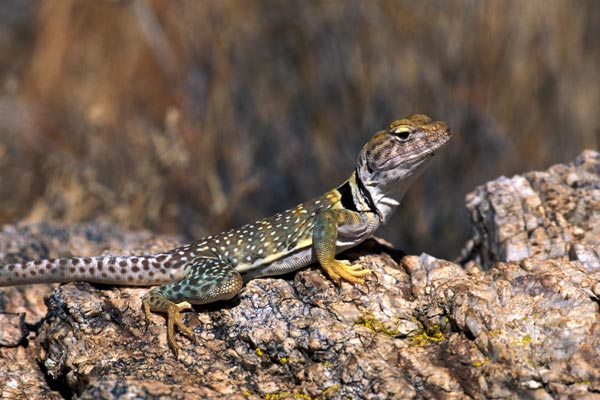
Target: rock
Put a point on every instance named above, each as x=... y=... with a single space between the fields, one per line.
x=14 y=329
x=518 y=319
x=554 y=214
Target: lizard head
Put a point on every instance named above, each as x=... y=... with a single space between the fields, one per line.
x=393 y=158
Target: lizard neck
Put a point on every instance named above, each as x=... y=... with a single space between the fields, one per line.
x=384 y=193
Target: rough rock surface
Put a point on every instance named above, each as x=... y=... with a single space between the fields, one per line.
x=526 y=325
x=553 y=214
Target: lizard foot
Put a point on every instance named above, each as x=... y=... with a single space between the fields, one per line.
x=157 y=302
x=342 y=269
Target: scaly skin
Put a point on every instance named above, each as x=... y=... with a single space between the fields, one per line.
x=216 y=267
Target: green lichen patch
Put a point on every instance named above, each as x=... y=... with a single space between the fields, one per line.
x=432 y=334
x=369 y=321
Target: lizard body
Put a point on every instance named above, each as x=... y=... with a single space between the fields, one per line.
x=216 y=267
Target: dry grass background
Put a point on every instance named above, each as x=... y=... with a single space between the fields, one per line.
x=193 y=116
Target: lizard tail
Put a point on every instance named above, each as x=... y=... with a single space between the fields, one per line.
x=114 y=270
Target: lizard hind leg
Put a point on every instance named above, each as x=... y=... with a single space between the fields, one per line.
x=207 y=280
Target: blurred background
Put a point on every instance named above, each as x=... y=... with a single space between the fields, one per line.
x=190 y=117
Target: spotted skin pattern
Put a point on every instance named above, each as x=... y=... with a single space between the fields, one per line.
x=216 y=267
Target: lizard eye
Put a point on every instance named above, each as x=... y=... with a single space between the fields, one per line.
x=401 y=132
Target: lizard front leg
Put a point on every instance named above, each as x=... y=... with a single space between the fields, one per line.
x=325 y=235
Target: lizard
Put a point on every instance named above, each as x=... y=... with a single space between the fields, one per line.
x=216 y=267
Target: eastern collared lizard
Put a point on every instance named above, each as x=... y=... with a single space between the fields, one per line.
x=216 y=267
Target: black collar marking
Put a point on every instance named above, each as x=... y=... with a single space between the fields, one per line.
x=365 y=193
x=346 y=197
